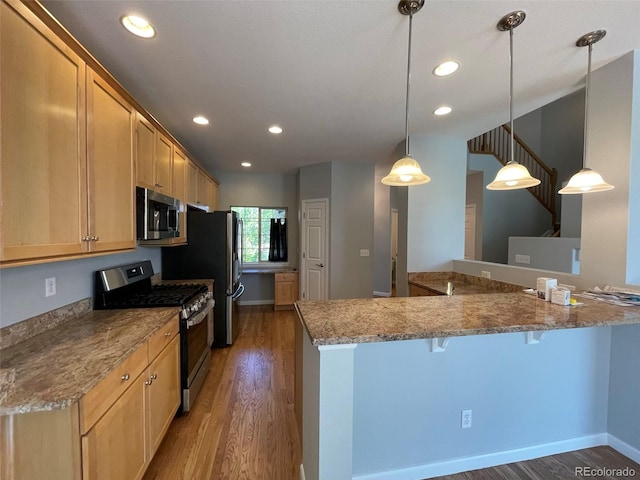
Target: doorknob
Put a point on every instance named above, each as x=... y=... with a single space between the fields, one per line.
x=321 y=265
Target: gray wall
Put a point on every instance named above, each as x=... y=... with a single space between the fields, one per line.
x=382 y=233
x=475 y=196
x=352 y=207
x=350 y=189
x=408 y=401
x=436 y=210
x=624 y=386
x=262 y=190
x=22 y=288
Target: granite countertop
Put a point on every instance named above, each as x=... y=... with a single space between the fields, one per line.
x=336 y=322
x=56 y=368
x=463 y=284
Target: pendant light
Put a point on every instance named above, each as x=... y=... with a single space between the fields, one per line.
x=587 y=180
x=407 y=171
x=513 y=175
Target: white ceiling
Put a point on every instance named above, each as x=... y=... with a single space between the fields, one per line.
x=332 y=73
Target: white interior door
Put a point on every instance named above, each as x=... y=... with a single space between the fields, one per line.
x=470 y=232
x=314 y=263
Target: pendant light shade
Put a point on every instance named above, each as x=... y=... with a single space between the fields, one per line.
x=513 y=175
x=407 y=171
x=587 y=180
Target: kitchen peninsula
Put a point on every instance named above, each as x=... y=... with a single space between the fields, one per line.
x=383 y=381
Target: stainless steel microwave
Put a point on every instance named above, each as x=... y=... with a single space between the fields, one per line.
x=157 y=215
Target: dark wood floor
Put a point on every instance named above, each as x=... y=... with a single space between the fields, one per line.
x=564 y=466
x=243 y=424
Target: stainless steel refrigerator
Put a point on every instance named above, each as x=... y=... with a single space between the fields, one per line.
x=214 y=251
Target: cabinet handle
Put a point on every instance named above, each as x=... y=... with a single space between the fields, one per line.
x=148 y=382
x=125 y=377
x=168 y=334
x=95 y=239
x=159 y=185
x=86 y=239
x=154 y=376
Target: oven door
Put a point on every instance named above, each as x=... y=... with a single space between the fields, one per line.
x=195 y=354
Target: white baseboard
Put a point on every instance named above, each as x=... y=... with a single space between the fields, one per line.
x=381 y=294
x=255 y=302
x=450 y=467
x=302 y=477
x=624 y=448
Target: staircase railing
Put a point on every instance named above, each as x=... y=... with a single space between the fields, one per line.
x=496 y=143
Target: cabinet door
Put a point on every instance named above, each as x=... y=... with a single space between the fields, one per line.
x=192 y=183
x=110 y=122
x=145 y=152
x=180 y=190
x=115 y=447
x=212 y=195
x=42 y=158
x=163 y=393
x=164 y=162
x=202 y=196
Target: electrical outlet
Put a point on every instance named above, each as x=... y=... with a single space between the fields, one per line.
x=486 y=274
x=49 y=287
x=465 y=419
x=523 y=259
x=364 y=252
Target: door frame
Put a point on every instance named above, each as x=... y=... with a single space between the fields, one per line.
x=303 y=238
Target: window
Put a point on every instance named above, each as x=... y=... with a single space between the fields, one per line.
x=258 y=243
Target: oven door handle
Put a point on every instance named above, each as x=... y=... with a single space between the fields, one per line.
x=200 y=316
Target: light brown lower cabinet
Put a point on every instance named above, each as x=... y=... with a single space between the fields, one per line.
x=285 y=290
x=112 y=433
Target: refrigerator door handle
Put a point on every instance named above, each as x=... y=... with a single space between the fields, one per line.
x=238 y=293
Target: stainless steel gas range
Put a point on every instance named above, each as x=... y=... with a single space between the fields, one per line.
x=129 y=286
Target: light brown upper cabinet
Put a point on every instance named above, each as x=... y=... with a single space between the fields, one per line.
x=164 y=165
x=180 y=163
x=206 y=191
x=154 y=162
x=110 y=123
x=67 y=159
x=145 y=152
x=192 y=183
x=44 y=207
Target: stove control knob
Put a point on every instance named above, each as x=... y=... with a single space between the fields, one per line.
x=185 y=313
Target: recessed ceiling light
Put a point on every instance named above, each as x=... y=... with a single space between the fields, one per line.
x=138 y=26
x=446 y=68
x=200 y=120
x=246 y=164
x=444 y=110
x=275 y=129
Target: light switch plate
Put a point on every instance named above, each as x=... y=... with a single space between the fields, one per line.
x=364 y=252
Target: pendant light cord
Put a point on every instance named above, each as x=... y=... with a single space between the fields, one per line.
x=586 y=108
x=511 y=90
x=406 y=116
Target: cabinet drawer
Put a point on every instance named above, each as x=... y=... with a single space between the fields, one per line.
x=162 y=338
x=286 y=277
x=95 y=403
